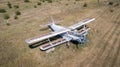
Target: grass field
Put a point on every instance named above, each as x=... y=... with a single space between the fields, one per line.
x=102 y=50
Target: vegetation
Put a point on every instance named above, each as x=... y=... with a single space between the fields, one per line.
x=15 y=17
x=8 y=24
x=6 y=16
x=9 y=5
x=2 y=10
x=35 y=6
x=26 y=0
x=18 y=13
x=77 y=0
x=110 y=3
x=85 y=5
x=111 y=10
x=16 y=6
x=49 y=1
x=39 y=3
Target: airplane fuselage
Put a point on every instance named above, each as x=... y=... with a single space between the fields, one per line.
x=68 y=35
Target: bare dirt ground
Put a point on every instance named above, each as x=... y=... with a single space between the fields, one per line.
x=102 y=50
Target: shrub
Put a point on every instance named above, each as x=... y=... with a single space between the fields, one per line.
x=2 y=10
x=38 y=3
x=85 y=5
x=77 y=0
x=15 y=17
x=9 y=5
x=66 y=4
x=117 y=4
x=43 y=1
x=18 y=13
x=49 y=1
x=111 y=10
x=16 y=6
x=26 y=1
x=8 y=24
x=6 y=16
x=35 y=6
x=110 y=3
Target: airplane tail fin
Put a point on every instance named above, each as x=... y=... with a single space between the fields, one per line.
x=51 y=22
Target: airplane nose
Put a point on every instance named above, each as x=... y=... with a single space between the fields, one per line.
x=82 y=39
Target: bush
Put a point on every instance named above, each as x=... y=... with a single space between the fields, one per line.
x=85 y=5
x=49 y=1
x=6 y=16
x=15 y=17
x=26 y=1
x=8 y=24
x=35 y=6
x=18 y=13
x=111 y=10
x=16 y=6
x=77 y=0
x=43 y=0
x=38 y=3
x=2 y=10
x=66 y=4
x=9 y=5
x=110 y=3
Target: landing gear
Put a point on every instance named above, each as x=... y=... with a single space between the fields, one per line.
x=68 y=44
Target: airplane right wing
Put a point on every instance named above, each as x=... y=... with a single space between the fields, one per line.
x=81 y=23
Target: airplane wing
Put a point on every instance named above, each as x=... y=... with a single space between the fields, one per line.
x=53 y=44
x=36 y=39
x=81 y=23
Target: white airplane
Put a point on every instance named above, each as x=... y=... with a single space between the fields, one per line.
x=76 y=32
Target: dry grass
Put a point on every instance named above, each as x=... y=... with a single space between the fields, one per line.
x=102 y=50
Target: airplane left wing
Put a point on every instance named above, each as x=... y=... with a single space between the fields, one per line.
x=75 y=26
x=33 y=40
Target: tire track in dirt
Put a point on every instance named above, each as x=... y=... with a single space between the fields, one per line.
x=113 y=53
x=116 y=56
x=110 y=32
x=92 y=49
x=101 y=40
x=117 y=25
